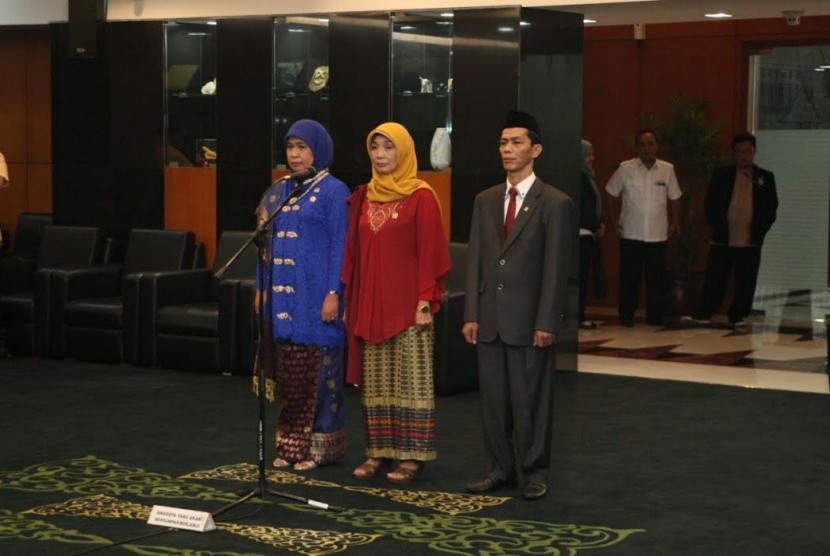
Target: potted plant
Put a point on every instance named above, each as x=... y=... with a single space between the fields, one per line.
x=687 y=138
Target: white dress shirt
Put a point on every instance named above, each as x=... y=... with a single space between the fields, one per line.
x=522 y=188
x=645 y=195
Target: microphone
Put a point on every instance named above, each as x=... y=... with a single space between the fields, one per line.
x=302 y=175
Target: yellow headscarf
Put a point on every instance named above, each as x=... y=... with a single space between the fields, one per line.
x=403 y=181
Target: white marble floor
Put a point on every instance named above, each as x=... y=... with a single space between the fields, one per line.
x=783 y=348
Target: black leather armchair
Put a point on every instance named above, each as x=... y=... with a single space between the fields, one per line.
x=18 y=264
x=455 y=366
x=195 y=321
x=96 y=310
x=25 y=308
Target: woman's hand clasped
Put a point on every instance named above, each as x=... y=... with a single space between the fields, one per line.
x=423 y=318
x=330 y=305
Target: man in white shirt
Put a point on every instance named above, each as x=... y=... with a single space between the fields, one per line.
x=649 y=191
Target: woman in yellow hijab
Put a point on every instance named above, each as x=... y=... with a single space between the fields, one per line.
x=394 y=268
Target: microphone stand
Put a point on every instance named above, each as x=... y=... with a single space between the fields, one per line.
x=258 y=238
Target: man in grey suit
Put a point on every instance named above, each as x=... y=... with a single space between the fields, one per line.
x=517 y=270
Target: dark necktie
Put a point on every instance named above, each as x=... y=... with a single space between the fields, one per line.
x=511 y=211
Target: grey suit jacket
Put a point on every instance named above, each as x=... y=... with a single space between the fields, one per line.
x=517 y=285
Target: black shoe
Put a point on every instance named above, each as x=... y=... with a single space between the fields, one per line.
x=489 y=484
x=534 y=490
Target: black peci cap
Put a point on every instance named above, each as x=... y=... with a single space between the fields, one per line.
x=516 y=118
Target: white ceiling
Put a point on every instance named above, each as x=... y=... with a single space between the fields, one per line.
x=665 y=11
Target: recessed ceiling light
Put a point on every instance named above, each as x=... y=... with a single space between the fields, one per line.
x=820 y=69
x=524 y=23
x=586 y=20
x=505 y=29
x=446 y=14
x=407 y=28
x=718 y=15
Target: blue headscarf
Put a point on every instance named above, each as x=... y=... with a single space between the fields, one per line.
x=586 y=147
x=316 y=136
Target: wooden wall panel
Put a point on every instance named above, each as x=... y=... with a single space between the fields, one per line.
x=190 y=204
x=39 y=99
x=13 y=95
x=25 y=116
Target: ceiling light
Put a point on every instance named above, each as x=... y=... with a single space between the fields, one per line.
x=586 y=20
x=524 y=23
x=718 y=15
x=446 y=14
x=505 y=29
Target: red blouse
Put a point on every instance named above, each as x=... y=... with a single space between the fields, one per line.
x=395 y=255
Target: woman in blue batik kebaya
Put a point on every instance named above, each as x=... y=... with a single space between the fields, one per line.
x=299 y=292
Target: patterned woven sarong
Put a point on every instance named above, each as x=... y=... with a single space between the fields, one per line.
x=398 y=396
x=310 y=397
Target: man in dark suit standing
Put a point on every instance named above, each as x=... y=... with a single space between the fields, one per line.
x=740 y=208
x=517 y=271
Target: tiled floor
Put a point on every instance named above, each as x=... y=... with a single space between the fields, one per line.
x=783 y=348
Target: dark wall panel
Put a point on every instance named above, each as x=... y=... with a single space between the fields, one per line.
x=81 y=192
x=359 y=89
x=80 y=105
x=136 y=55
x=243 y=118
x=482 y=95
x=107 y=116
x=550 y=88
x=86 y=20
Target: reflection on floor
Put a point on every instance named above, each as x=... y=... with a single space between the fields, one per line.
x=784 y=346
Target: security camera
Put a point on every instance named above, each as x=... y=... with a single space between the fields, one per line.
x=793 y=17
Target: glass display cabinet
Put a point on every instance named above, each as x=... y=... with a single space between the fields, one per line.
x=190 y=130
x=422 y=83
x=301 y=75
x=190 y=94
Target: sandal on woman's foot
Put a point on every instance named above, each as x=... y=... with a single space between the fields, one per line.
x=371 y=467
x=279 y=462
x=406 y=472
x=307 y=465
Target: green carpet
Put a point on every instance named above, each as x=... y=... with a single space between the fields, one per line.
x=640 y=467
